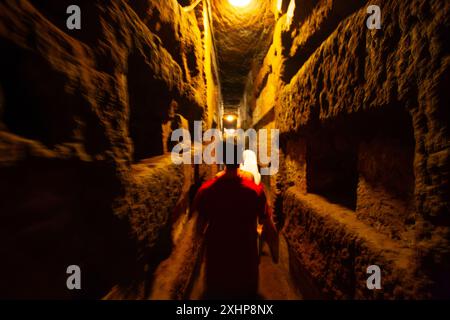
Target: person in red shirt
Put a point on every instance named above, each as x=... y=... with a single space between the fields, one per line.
x=230 y=207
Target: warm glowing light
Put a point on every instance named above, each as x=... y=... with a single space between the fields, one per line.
x=240 y=3
x=279 y=5
x=230 y=118
x=290 y=13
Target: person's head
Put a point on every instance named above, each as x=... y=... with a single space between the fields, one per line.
x=249 y=157
x=232 y=155
x=251 y=165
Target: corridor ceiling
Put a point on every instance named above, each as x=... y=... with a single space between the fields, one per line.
x=243 y=36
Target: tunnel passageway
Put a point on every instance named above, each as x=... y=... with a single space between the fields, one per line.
x=357 y=118
x=275 y=281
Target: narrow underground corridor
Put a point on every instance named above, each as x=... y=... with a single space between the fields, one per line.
x=91 y=96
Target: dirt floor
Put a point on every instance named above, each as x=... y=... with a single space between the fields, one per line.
x=274 y=279
x=171 y=277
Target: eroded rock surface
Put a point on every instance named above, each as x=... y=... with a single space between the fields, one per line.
x=363 y=116
x=83 y=113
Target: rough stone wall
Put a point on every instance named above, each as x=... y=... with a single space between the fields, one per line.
x=365 y=144
x=84 y=121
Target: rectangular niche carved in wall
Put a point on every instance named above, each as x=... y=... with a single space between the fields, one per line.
x=331 y=166
x=386 y=172
x=149 y=104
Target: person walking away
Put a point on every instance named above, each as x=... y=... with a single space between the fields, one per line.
x=229 y=208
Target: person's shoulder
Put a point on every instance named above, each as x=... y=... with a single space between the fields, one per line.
x=208 y=184
x=249 y=182
x=219 y=175
x=246 y=175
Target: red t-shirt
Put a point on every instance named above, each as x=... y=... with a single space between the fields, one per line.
x=231 y=205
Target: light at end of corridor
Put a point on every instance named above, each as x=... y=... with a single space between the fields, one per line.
x=240 y=3
x=230 y=118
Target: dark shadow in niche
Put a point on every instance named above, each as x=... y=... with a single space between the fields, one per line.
x=332 y=165
x=377 y=145
x=36 y=102
x=149 y=99
x=192 y=62
x=49 y=224
x=389 y=135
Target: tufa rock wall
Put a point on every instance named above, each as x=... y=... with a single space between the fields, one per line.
x=364 y=123
x=84 y=119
